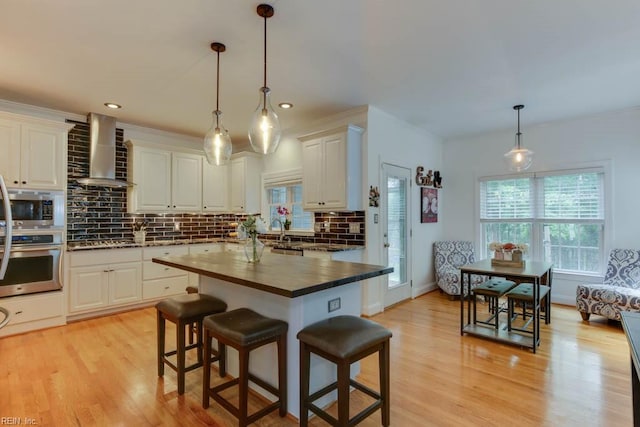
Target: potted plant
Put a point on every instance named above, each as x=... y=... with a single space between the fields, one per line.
x=285 y=215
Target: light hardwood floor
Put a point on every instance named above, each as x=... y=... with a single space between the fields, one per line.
x=102 y=372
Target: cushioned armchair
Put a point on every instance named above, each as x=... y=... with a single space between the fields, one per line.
x=620 y=290
x=448 y=257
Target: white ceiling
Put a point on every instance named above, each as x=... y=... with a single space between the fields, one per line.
x=454 y=67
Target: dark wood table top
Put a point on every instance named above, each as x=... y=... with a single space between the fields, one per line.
x=532 y=269
x=286 y=275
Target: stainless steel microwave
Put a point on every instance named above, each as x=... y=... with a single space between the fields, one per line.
x=34 y=209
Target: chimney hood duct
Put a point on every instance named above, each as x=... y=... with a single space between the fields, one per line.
x=102 y=160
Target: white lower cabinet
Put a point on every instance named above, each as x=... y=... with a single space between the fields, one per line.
x=104 y=279
x=159 y=281
x=31 y=312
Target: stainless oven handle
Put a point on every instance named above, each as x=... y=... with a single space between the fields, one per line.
x=60 y=271
x=7 y=317
x=36 y=249
x=8 y=231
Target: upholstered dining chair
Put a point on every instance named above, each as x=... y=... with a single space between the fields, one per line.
x=620 y=290
x=449 y=256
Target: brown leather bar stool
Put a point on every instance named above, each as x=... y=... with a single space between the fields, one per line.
x=492 y=290
x=245 y=330
x=184 y=310
x=344 y=340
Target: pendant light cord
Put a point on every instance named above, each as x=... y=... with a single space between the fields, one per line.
x=264 y=93
x=218 y=91
x=519 y=133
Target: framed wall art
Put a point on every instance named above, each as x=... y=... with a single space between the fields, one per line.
x=429 y=204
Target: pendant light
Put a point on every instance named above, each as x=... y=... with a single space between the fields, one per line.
x=217 y=142
x=519 y=158
x=264 y=132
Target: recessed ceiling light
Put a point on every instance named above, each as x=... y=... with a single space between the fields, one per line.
x=112 y=105
x=285 y=105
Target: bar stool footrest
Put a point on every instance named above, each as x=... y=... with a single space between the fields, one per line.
x=360 y=416
x=214 y=394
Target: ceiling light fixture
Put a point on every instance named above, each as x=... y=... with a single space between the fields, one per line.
x=112 y=105
x=217 y=142
x=285 y=105
x=519 y=158
x=264 y=132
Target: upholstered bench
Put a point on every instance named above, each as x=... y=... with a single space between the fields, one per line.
x=492 y=290
x=523 y=293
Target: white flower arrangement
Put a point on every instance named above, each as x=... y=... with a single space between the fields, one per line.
x=495 y=246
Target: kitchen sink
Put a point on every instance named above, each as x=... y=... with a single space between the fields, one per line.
x=287 y=250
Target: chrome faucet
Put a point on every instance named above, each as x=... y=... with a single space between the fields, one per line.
x=279 y=221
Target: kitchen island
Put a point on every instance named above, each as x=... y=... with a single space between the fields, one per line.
x=298 y=290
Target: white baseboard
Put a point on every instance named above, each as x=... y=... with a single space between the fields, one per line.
x=423 y=289
x=372 y=309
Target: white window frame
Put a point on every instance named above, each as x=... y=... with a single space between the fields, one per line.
x=285 y=178
x=536 y=250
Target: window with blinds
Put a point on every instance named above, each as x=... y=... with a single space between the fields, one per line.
x=560 y=215
x=285 y=189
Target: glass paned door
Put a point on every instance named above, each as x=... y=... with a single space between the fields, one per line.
x=396 y=229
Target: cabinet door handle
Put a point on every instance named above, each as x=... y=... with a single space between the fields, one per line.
x=15 y=182
x=24 y=182
x=18 y=312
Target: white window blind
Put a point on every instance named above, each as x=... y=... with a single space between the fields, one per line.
x=578 y=196
x=506 y=199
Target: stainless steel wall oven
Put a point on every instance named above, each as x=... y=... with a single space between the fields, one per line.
x=31 y=241
x=33 y=264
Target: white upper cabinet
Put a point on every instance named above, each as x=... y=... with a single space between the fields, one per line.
x=166 y=181
x=246 y=170
x=215 y=187
x=332 y=169
x=33 y=152
x=186 y=182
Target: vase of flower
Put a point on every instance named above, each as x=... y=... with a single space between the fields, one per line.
x=498 y=254
x=286 y=224
x=249 y=230
x=253 y=249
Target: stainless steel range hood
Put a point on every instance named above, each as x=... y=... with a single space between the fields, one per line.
x=102 y=160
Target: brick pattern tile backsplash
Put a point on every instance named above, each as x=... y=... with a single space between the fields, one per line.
x=98 y=213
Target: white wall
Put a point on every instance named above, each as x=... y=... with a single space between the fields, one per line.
x=391 y=140
x=612 y=137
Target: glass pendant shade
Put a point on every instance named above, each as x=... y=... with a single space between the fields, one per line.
x=265 y=131
x=217 y=143
x=518 y=158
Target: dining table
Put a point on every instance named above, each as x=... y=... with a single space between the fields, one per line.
x=535 y=272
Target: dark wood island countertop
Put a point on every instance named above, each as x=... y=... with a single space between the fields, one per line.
x=285 y=275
